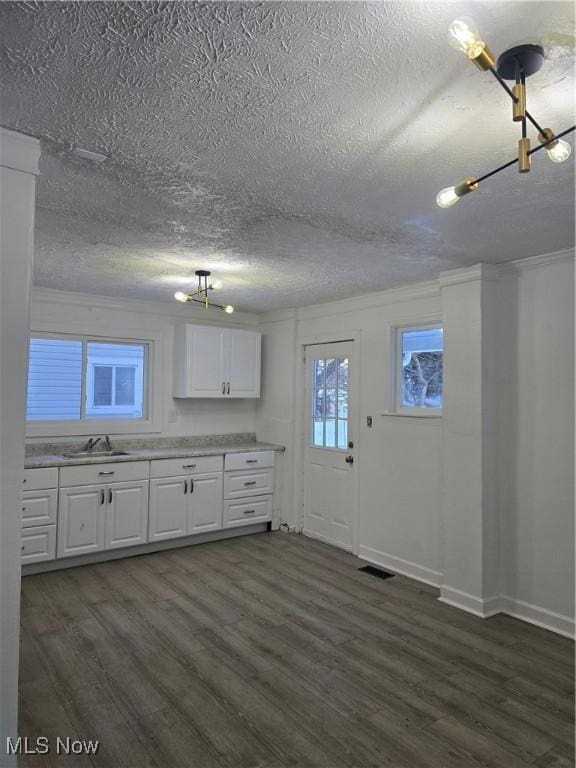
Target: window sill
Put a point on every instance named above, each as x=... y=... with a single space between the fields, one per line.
x=410 y=415
x=83 y=428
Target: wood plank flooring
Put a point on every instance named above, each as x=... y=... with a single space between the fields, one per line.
x=274 y=651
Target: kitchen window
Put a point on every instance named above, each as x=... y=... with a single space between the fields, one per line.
x=84 y=380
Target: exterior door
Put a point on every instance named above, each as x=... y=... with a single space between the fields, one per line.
x=81 y=520
x=329 y=472
x=205 y=503
x=168 y=508
x=127 y=514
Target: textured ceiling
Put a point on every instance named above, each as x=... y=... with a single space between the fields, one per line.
x=294 y=148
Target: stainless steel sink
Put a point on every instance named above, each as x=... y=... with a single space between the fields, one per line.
x=94 y=454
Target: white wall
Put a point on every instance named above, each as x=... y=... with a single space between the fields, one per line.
x=58 y=311
x=537 y=437
x=527 y=424
x=399 y=458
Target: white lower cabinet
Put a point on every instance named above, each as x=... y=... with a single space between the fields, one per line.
x=127 y=514
x=184 y=505
x=205 y=503
x=168 y=518
x=81 y=520
x=96 y=517
x=38 y=543
x=247 y=511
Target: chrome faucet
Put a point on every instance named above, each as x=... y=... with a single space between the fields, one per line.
x=91 y=444
x=107 y=443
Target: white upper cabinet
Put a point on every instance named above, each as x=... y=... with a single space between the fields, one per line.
x=216 y=362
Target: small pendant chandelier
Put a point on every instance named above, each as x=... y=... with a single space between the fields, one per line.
x=514 y=64
x=201 y=294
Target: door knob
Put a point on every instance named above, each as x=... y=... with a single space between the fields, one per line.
x=349 y=459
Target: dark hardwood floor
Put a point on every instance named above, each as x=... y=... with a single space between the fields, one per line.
x=273 y=650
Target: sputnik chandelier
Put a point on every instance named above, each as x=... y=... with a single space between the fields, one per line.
x=514 y=64
x=200 y=295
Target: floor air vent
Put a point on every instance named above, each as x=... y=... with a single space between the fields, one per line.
x=378 y=572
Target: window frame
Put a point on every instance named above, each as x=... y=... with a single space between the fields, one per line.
x=396 y=406
x=152 y=369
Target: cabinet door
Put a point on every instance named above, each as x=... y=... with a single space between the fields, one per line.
x=244 y=364
x=81 y=520
x=205 y=503
x=168 y=516
x=39 y=507
x=200 y=361
x=126 y=514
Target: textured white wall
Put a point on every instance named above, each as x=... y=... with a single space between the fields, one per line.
x=65 y=312
x=537 y=436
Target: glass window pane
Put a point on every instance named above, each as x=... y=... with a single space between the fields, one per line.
x=318 y=432
x=331 y=372
x=330 y=433
x=318 y=374
x=422 y=357
x=343 y=373
x=54 y=379
x=342 y=433
x=330 y=403
x=102 y=385
x=125 y=387
x=342 y=404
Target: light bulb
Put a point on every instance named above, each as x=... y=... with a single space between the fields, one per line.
x=560 y=152
x=217 y=284
x=464 y=36
x=229 y=309
x=180 y=296
x=447 y=197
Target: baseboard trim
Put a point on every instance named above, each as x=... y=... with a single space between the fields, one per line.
x=484 y=608
x=532 y=614
x=398 y=565
x=541 y=617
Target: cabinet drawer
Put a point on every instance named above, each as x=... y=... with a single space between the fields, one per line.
x=39 y=507
x=249 y=460
x=114 y=472
x=247 y=511
x=38 y=544
x=38 y=479
x=186 y=466
x=251 y=483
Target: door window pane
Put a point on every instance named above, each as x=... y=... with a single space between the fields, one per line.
x=330 y=403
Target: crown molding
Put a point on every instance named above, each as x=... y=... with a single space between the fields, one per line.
x=541 y=260
x=180 y=312
x=404 y=293
x=19 y=152
x=484 y=272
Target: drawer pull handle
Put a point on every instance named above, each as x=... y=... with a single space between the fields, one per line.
x=24 y=481
x=249 y=511
x=109 y=472
x=23 y=509
x=250 y=482
x=188 y=466
x=251 y=461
